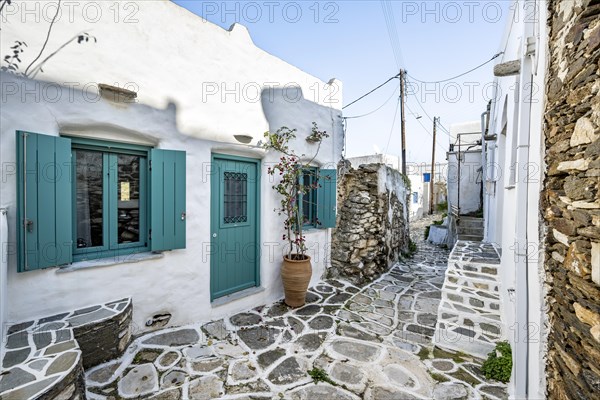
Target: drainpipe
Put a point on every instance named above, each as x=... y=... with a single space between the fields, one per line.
x=3 y=277
x=485 y=123
x=521 y=350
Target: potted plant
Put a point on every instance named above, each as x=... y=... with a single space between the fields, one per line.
x=296 y=270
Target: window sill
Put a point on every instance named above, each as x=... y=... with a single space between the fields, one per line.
x=107 y=262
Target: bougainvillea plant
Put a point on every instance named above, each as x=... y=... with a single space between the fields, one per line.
x=289 y=169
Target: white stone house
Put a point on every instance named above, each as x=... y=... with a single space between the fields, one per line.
x=512 y=155
x=464 y=167
x=169 y=202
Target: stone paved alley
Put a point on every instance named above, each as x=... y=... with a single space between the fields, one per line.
x=373 y=342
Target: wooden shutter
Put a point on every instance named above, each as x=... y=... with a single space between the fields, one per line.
x=44 y=211
x=326 y=198
x=167 y=200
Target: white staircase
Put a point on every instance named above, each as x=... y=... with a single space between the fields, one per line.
x=469 y=313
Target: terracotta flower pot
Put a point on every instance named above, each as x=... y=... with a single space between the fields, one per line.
x=295 y=275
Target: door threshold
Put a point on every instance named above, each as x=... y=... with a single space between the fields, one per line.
x=236 y=296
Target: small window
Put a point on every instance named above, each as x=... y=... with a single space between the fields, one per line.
x=307 y=200
x=415 y=197
x=81 y=199
x=427 y=177
x=235 y=197
x=109 y=198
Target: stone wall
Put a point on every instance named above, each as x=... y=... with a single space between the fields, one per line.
x=570 y=200
x=372 y=224
x=108 y=338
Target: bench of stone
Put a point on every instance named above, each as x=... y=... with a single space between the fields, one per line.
x=45 y=358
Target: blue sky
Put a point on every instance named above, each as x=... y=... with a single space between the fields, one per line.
x=349 y=40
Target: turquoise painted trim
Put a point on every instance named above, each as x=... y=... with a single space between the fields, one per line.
x=327 y=198
x=167 y=199
x=215 y=222
x=89 y=251
x=106 y=145
x=110 y=202
x=116 y=253
x=312 y=199
x=43 y=198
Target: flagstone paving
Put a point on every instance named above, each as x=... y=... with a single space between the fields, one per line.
x=373 y=343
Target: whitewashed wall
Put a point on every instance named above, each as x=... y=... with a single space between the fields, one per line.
x=521 y=111
x=3 y=276
x=470 y=180
x=170 y=53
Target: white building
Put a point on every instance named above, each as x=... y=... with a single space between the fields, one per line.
x=169 y=246
x=465 y=177
x=508 y=191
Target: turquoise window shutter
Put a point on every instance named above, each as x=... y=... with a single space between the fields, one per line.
x=326 y=198
x=44 y=212
x=167 y=200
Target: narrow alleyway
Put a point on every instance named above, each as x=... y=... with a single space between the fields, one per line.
x=372 y=343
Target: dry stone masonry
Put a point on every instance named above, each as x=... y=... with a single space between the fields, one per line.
x=45 y=359
x=372 y=226
x=570 y=204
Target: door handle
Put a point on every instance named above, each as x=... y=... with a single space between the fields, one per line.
x=29 y=225
x=183 y=216
x=214 y=235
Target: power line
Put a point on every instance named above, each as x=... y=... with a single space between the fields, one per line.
x=392 y=30
x=368 y=93
x=377 y=109
x=392 y=128
x=425 y=129
x=464 y=73
x=442 y=128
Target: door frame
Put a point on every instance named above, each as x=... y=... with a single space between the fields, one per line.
x=214 y=216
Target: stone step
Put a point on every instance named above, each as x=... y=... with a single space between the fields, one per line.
x=466 y=251
x=473 y=222
x=472 y=238
x=63 y=344
x=475 y=270
x=462 y=300
x=470 y=230
x=490 y=328
x=486 y=285
x=480 y=285
x=468 y=339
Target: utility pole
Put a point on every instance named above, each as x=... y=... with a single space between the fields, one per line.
x=403 y=120
x=431 y=180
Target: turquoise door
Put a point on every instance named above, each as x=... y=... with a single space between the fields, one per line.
x=235 y=222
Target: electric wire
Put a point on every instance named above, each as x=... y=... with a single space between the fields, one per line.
x=442 y=128
x=368 y=93
x=426 y=130
x=463 y=74
x=392 y=128
x=375 y=110
x=392 y=31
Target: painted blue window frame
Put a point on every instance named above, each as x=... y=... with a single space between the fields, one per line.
x=415 y=197
x=313 y=174
x=110 y=247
